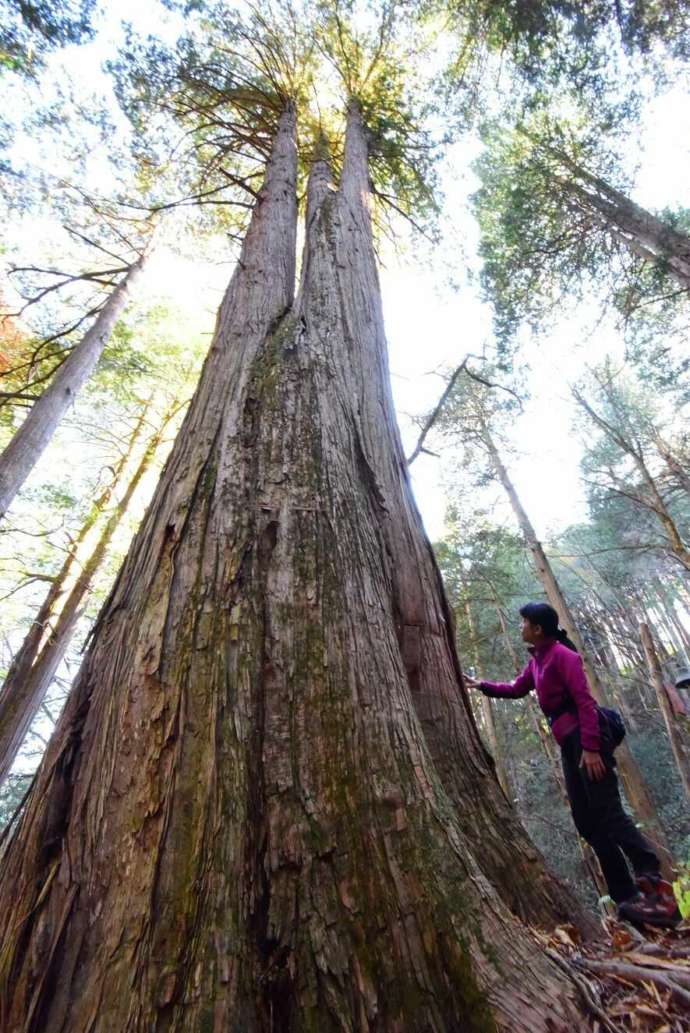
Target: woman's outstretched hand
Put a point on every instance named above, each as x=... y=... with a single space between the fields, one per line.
x=593 y=765
x=473 y=683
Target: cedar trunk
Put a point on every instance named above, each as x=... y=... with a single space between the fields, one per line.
x=239 y=826
x=34 y=435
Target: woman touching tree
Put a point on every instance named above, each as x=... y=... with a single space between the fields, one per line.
x=582 y=730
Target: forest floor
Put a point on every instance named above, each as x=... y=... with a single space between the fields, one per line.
x=631 y=982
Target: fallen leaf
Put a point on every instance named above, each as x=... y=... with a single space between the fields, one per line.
x=621 y=940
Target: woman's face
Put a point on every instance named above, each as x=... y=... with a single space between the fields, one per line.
x=531 y=633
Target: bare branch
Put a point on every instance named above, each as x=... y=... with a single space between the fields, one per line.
x=431 y=419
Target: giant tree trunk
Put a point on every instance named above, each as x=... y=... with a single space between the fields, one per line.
x=33 y=436
x=238 y=824
x=33 y=668
x=631 y=776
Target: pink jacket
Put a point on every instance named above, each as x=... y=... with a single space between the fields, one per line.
x=557 y=674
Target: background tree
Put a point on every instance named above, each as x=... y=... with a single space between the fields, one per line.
x=631 y=459
x=556 y=219
x=29 y=30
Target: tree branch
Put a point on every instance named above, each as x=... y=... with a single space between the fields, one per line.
x=431 y=419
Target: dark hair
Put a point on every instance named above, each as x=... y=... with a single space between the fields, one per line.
x=547 y=619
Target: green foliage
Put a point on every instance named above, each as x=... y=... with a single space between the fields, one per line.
x=555 y=43
x=634 y=457
x=29 y=29
x=218 y=92
x=380 y=58
x=547 y=213
x=205 y=109
x=681 y=888
x=11 y=796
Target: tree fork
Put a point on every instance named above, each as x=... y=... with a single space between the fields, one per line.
x=238 y=824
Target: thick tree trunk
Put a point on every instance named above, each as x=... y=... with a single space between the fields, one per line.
x=238 y=825
x=33 y=669
x=33 y=436
x=631 y=776
x=678 y=747
x=423 y=619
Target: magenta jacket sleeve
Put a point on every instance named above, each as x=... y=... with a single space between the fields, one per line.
x=573 y=673
x=523 y=684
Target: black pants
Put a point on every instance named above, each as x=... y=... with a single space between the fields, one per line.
x=600 y=819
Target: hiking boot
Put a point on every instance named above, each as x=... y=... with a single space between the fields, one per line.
x=660 y=893
x=657 y=911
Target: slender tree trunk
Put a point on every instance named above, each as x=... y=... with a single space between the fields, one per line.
x=487 y=712
x=33 y=436
x=679 y=634
x=238 y=824
x=635 y=787
x=678 y=546
x=34 y=667
x=644 y=234
x=618 y=686
x=678 y=747
x=655 y=501
x=25 y=657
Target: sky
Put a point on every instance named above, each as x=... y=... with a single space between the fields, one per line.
x=431 y=325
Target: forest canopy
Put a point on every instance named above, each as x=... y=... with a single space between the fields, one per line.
x=331 y=334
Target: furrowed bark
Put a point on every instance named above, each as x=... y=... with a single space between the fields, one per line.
x=134 y=848
x=33 y=436
x=33 y=669
x=238 y=825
